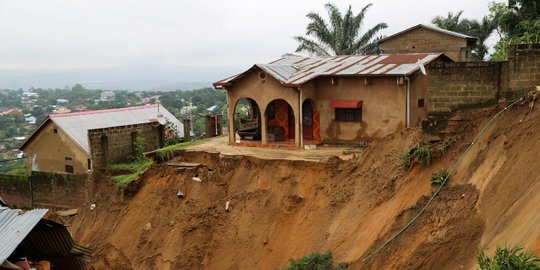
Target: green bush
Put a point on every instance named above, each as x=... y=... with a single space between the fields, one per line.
x=423 y=155
x=508 y=258
x=439 y=177
x=315 y=261
x=406 y=159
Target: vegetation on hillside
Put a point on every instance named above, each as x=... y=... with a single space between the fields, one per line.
x=508 y=258
x=340 y=35
x=315 y=261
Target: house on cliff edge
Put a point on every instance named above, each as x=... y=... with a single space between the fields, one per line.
x=297 y=101
x=78 y=142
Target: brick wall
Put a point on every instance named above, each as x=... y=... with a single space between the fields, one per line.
x=523 y=69
x=453 y=86
x=59 y=190
x=46 y=190
x=114 y=145
x=15 y=190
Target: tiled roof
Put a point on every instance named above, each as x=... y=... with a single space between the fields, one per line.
x=294 y=71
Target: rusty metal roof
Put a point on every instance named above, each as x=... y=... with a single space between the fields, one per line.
x=76 y=125
x=15 y=225
x=295 y=71
x=432 y=28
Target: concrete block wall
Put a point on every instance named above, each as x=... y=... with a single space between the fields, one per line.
x=523 y=69
x=46 y=190
x=59 y=190
x=454 y=86
x=15 y=191
x=120 y=142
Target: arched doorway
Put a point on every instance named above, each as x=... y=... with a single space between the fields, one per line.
x=247 y=119
x=280 y=121
x=307 y=120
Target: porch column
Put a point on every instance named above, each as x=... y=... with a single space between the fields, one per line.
x=297 y=125
x=264 y=130
x=230 y=111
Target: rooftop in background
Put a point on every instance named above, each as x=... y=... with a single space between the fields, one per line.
x=294 y=71
x=440 y=30
x=77 y=124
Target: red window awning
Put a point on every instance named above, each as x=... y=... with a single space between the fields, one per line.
x=351 y=104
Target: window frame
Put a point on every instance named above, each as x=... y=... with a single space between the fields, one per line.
x=348 y=115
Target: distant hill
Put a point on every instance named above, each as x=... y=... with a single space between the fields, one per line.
x=150 y=77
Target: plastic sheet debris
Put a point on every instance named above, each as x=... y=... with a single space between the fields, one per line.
x=197 y=179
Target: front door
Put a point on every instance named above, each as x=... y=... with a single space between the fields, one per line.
x=291 y=122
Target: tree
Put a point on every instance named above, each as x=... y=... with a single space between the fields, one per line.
x=340 y=35
x=508 y=258
x=516 y=23
x=480 y=29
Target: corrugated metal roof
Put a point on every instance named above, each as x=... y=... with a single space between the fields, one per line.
x=444 y=31
x=76 y=125
x=294 y=71
x=15 y=225
x=51 y=240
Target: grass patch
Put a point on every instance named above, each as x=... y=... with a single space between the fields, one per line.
x=423 y=155
x=315 y=261
x=136 y=168
x=168 y=152
x=507 y=258
x=439 y=177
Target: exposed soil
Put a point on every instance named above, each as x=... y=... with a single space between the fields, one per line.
x=282 y=209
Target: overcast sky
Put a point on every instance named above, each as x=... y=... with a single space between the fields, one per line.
x=50 y=34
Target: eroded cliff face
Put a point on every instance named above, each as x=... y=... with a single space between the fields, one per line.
x=287 y=209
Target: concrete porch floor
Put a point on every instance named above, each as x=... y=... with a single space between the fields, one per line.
x=221 y=145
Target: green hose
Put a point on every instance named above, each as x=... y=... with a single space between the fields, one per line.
x=368 y=258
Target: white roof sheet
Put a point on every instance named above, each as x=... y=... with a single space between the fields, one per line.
x=15 y=225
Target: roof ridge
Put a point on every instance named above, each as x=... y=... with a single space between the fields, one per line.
x=103 y=111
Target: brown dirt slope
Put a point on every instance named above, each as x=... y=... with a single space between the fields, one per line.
x=285 y=209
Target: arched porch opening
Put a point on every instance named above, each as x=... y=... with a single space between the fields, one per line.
x=280 y=121
x=247 y=119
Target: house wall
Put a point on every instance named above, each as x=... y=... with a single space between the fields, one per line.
x=418 y=91
x=383 y=107
x=422 y=40
x=47 y=151
x=120 y=142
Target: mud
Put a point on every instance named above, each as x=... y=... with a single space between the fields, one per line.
x=281 y=209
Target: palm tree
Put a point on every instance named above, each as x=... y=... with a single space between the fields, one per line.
x=481 y=30
x=451 y=22
x=340 y=35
